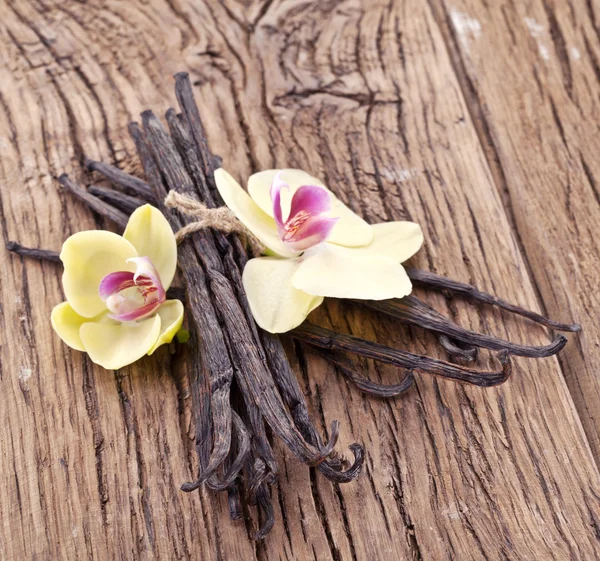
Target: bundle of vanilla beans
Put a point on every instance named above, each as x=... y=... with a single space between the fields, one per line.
x=243 y=389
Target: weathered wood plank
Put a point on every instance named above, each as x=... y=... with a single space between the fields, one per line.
x=532 y=76
x=91 y=460
x=364 y=95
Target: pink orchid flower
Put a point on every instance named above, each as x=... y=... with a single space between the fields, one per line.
x=133 y=296
x=307 y=224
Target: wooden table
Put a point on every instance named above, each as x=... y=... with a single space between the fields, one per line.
x=479 y=120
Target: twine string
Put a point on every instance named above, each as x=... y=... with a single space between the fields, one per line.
x=222 y=219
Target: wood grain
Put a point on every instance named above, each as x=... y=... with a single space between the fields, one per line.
x=368 y=96
x=530 y=75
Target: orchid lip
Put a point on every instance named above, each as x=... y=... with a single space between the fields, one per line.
x=307 y=224
x=133 y=296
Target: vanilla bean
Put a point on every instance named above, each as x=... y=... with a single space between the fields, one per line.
x=171 y=168
x=255 y=471
x=196 y=162
x=176 y=293
x=189 y=109
x=265 y=505
x=187 y=149
x=429 y=279
x=233 y=490
x=263 y=388
x=258 y=435
x=235 y=465
x=234 y=501
x=102 y=208
x=125 y=203
x=33 y=252
x=285 y=378
x=257 y=475
x=260 y=443
x=458 y=350
x=213 y=371
x=261 y=447
x=260 y=496
x=191 y=115
x=244 y=449
x=349 y=370
x=293 y=397
x=413 y=311
x=248 y=357
x=186 y=146
x=332 y=341
x=128 y=183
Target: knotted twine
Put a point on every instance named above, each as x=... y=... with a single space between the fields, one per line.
x=222 y=219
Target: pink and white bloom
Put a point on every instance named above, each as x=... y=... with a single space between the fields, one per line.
x=320 y=247
x=116 y=309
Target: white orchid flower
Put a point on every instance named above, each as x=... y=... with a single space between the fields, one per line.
x=116 y=287
x=322 y=248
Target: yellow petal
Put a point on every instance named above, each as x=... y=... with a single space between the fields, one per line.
x=276 y=305
x=397 y=240
x=88 y=257
x=171 y=318
x=150 y=234
x=248 y=213
x=327 y=271
x=67 y=322
x=116 y=346
x=351 y=230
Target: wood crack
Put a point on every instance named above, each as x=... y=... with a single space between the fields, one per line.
x=560 y=46
x=93 y=412
x=135 y=453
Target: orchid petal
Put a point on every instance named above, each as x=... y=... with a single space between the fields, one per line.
x=305 y=226
x=171 y=317
x=152 y=236
x=311 y=232
x=396 y=240
x=351 y=230
x=88 y=257
x=313 y=199
x=67 y=322
x=276 y=305
x=145 y=268
x=115 y=282
x=133 y=305
x=276 y=188
x=116 y=346
x=327 y=271
x=249 y=214
x=137 y=313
